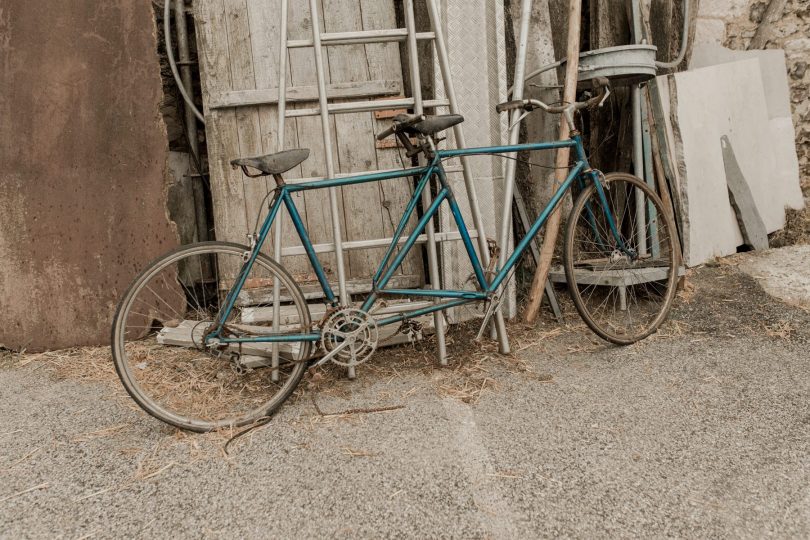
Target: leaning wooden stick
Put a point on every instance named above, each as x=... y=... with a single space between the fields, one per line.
x=563 y=157
x=765 y=31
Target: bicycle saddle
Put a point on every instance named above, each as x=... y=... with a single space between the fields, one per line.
x=274 y=163
x=432 y=125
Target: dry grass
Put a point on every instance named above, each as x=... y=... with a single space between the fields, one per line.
x=196 y=384
x=86 y=364
x=781 y=330
x=475 y=370
x=796 y=231
x=354 y=453
x=687 y=291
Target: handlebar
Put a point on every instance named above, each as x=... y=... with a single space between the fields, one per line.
x=600 y=84
x=401 y=122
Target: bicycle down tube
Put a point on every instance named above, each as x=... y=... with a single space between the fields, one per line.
x=392 y=262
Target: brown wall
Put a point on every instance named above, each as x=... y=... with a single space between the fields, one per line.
x=82 y=159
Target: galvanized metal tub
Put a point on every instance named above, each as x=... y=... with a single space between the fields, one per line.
x=624 y=65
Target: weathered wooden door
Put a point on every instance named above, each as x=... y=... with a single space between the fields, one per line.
x=239 y=46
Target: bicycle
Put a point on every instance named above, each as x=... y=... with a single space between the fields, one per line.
x=218 y=335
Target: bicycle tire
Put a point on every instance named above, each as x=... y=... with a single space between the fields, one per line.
x=664 y=222
x=172 y=417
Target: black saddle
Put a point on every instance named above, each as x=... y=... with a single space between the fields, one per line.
x=432 y=125
x=275 y=163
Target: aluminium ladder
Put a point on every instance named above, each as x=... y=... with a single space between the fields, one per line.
x=417 y=103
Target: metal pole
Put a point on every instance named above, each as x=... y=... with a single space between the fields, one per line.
x=191 y=118
x=281 y=134
x=649 y=175
x=514 y=134
x=323 y=102
x=444 y=66
x=327 y=143
x=433 y=256
x=167 y=31
x=638 y=146
x=684 y=41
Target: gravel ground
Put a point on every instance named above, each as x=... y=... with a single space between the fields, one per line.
x=702 y=431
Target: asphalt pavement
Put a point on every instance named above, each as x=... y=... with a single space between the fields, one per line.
x=703 y=431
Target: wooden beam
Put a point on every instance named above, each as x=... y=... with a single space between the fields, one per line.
x=563 y=155
x=764 y=31
x=301 y=94
x=313 y=291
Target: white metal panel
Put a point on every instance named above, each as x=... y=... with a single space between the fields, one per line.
x=475 y=35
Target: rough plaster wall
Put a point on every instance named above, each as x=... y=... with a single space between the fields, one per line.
x=732 y=23
x=82 y=160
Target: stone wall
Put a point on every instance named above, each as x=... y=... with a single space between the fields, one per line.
x=733 y=23
x=82 y=166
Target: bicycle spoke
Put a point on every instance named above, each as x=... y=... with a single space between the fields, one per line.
x=624 y=295
x=160 y=331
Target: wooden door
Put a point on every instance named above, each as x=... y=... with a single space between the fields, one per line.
x=239 y=46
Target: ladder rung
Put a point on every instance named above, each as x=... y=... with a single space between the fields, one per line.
x=298 y=94
x=366 y=106
x=293 y=181
x=359 y=38
x=371 y=244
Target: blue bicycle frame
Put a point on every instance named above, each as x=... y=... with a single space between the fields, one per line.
x=581 y=172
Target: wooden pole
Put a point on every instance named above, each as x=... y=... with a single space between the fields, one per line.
x=764 y=32
x=563 y=157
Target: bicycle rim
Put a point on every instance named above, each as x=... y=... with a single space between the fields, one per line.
x=622 y=298
x=159 y=329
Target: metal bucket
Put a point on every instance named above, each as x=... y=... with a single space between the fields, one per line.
x=625 y=65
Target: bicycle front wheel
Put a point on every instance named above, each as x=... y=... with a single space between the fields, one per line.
x=623 y=282
x=159 y=329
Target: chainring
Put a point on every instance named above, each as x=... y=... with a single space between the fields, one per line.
x=358 y=328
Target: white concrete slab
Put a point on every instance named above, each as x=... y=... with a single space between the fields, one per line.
x=476 y=44
x=772 y=64
x=786 y=167
x=776 y=86
x=728 y=99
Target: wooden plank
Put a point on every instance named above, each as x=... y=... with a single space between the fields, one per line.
x=534 y=249
x=190 y=333
x=239 y=50
x=666 y=154
x=384 y=62
x=265 y=40
x=453 y=236
x=312 y=291
x=316 y=203
x=256 y=355
x=355 y=136
x=289 y=314
x=615 y=278
x=248 y=125
x=295 y=94
x=226 y=184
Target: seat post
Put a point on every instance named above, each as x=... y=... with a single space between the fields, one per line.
x=279 y=180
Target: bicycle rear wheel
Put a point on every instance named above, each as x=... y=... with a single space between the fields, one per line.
x=159 y=330
x=622 y=298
